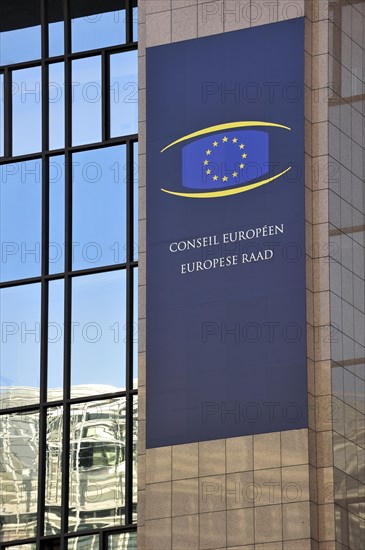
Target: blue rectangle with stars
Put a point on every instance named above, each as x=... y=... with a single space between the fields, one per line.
x=225 y=159
x=226 y=309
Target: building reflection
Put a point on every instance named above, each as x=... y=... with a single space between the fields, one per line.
x=97 y=464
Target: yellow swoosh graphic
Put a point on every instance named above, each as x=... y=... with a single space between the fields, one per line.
x=226 y=192
x=226 y=126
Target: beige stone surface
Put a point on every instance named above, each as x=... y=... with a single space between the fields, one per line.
x=266 y=451
x=185 y=497
x=185 y=23
x=240 y=527
x=212 y=493
x=185 y=532
x=239 y=454
x=267 y=486
x=296 y=520
x=158 y=534
x=185 y=461
x=294 y=447
x=212 y=457
x=158 y=500
x=268 y=524
x=239 y=490
x=212 y=530
x=158 y=465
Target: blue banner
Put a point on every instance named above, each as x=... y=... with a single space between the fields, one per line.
x=226 y=320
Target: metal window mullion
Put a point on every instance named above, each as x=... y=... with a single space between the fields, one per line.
x=129 y=22
x=68 y=267
x=44 y=353
x=129 y=343
x=44 y=284
x=121 y=140
x=105 y=88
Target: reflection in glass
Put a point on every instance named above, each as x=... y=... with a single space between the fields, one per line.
x=135 y=21
x=123 y=541
x=52 y=544
x=56 y=106
x=90 y=542
x=99 y=207
x=99 y=335
x=97 y=25
x=135 y=327
x=1 y=115
x=20 y=31
x=135 y=201
x=20 y=220
x=56 y=214
x=124 y=93
x=20 y=312
x=97 y=464
x=27 y=111
x=55 y=28
x=55 y=339
x=19 y=475
x=135 y=458
x=86 y=100
x=29 y=546
x=53 y=481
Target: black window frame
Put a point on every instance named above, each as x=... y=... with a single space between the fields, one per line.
x=130 y=266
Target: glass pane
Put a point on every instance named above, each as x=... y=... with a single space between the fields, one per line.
x=135 y=327
x=123 y=541
x=135 y=201
x=51 y=545
x=56 y=106
x=20 y=31
x=135 y=21
x=20 y=316
x=97 y=24
x=22 y=547
x=55 y=28
x=123 y=94
x=90 y=542
x=98 y=346
x=56 y=214
x=27 y=111
x=19 y=479
x=135 y=459
x=1 y=115
x=97 y=464
x=55 y=339
x=99 y=207
x=86 y=100
x=20 y=220
x=53 y=486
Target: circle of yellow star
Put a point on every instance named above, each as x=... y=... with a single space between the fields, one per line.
x=215 y=178
x=215 y=143
x=225 y=178
x=208 y=152
x=206 y=162
x=208 y=171
x=225 y=139
x=235 y=174
x=234 y=140
x=242 y=165
x=245 y=155
x=242 y=146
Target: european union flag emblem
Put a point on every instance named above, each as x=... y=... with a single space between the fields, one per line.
x=225 y=159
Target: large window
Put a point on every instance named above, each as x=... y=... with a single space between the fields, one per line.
x=68 y=274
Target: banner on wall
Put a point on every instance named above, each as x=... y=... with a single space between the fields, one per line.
x=226 y=323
